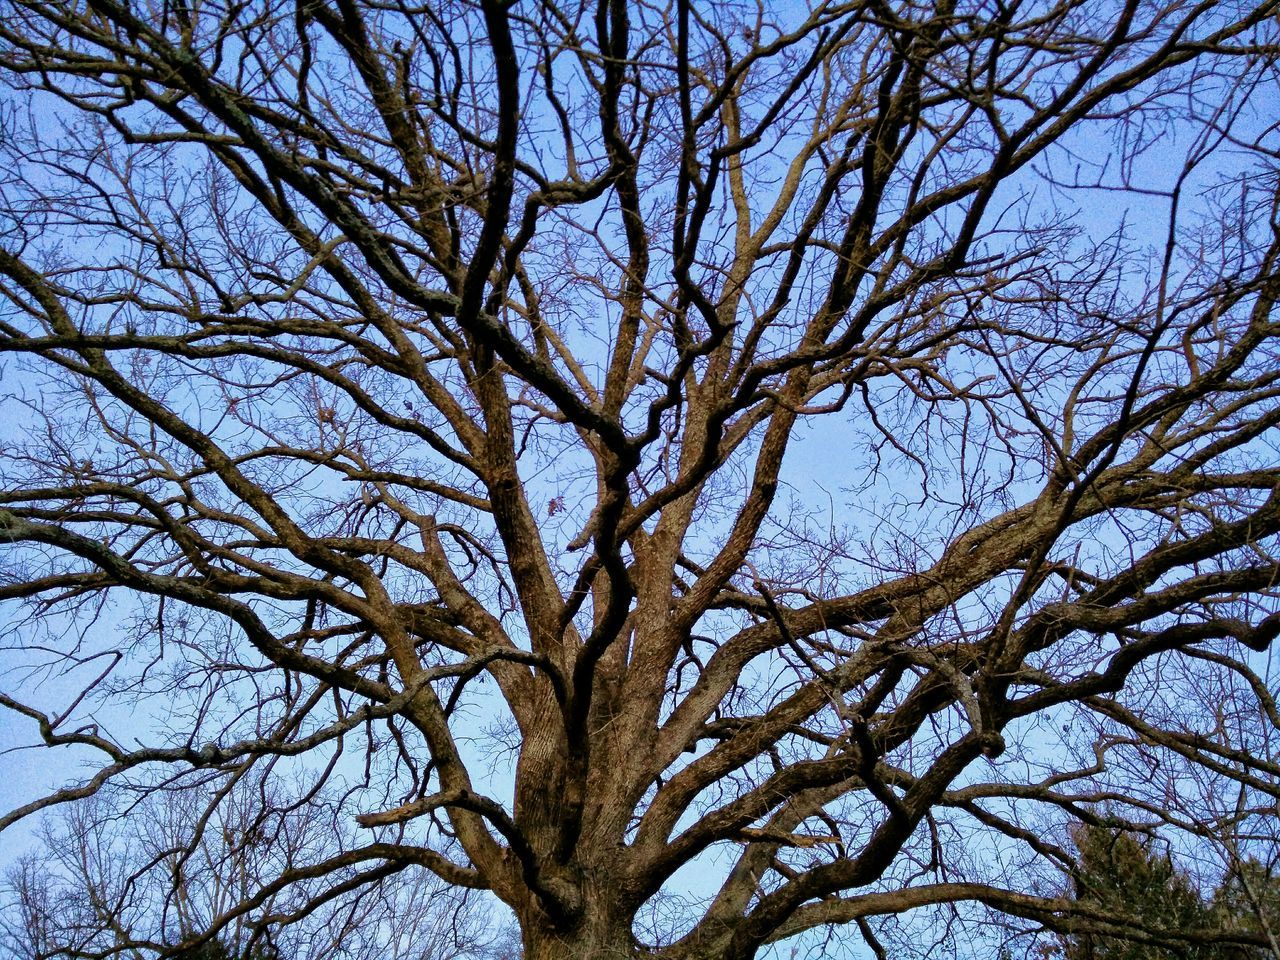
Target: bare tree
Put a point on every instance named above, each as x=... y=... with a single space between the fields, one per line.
x=421 y=401
x=153 y=872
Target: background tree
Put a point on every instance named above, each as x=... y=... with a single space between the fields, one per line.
x=1249 y=899
x=147 y=875
x=1127 y=876
x=419 y=401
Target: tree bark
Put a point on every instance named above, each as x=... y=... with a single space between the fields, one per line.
x=604 y=934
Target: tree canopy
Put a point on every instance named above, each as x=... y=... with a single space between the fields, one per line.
x=706 y=474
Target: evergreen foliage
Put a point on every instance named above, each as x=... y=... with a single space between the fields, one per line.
x=1130 y=875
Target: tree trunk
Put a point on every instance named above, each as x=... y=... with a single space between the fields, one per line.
x=604 y=938
x=603 y=933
